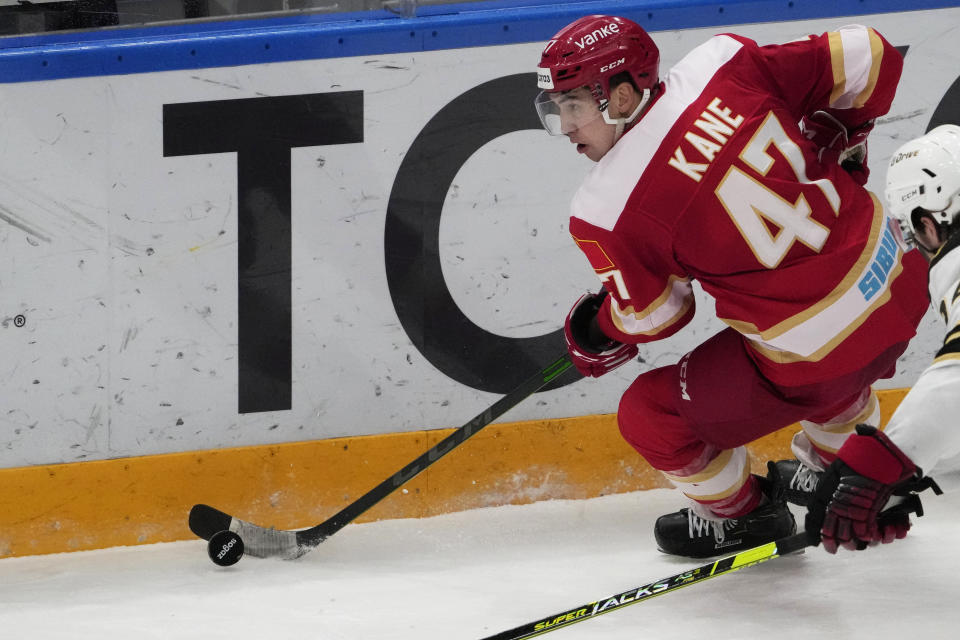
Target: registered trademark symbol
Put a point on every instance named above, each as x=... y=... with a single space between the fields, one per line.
x=19 y=320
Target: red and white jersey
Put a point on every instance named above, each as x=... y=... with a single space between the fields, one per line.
x=716 y=183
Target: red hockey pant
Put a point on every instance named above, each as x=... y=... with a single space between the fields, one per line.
x=728 y=402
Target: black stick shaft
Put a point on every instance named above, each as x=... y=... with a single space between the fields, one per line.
x=205 y=521
x=352 y=511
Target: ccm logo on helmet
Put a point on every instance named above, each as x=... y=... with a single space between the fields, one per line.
x=612 y=65
x=597 y=35
x=910 y=195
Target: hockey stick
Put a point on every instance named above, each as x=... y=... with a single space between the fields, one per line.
x=729 y=564
x=205 y=521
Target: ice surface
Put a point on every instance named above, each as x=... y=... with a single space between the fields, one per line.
x=472 y=574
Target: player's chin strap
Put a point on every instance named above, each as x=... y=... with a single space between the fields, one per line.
x=623 y=122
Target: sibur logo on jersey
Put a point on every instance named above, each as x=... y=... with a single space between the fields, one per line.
x=597 y=35
x=875 y=279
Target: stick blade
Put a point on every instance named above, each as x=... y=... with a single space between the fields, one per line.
x=205 y=521
x=259 y=542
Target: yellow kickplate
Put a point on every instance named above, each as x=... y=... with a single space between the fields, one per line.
x=129 y=501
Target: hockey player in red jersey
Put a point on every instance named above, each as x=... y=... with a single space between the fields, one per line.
x=742 y=168
x=923 y=193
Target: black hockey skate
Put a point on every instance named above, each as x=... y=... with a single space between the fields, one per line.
x=686 y=534
x=795 y=481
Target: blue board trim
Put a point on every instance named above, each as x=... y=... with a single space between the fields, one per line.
x=236 y=42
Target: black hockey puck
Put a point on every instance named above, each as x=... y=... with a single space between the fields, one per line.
x=225 y=548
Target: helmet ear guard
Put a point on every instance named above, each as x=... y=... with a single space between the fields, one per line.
x=623 y=122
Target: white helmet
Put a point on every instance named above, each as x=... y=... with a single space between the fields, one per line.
x=925 y=173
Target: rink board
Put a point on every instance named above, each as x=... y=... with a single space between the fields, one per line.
x=305 y=249
x=396 y=269
x=94 y=505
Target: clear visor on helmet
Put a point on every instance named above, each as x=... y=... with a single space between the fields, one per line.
x=566 y=111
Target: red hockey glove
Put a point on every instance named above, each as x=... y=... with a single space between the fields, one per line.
x=592 y=352
x=836 y=144
x=855 y=488
x=851 y=517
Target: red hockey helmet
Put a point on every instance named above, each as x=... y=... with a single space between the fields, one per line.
x=590 y=51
